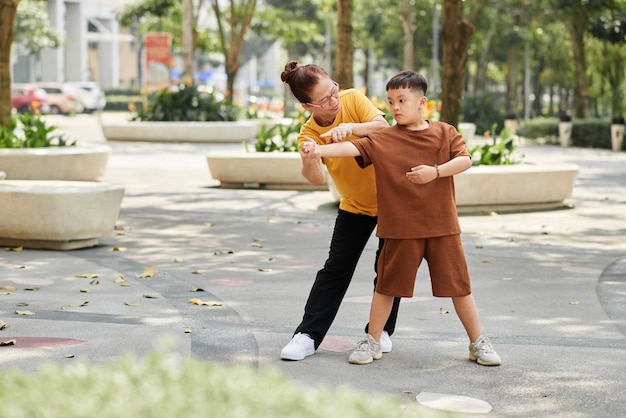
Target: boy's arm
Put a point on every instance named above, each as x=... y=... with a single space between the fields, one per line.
x=339 y=149
x=423 y=174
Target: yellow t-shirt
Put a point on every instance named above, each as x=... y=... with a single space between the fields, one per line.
x=356 y=185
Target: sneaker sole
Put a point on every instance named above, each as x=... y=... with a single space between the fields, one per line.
x=368 y=361
x=483 y=363
x=295 y=358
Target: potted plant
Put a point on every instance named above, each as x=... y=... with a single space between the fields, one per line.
x=30 y=150
x=565 y=129
x=182 y=113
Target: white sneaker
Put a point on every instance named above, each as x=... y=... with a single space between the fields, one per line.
x=483 y=353
x=385 y=342
x=300 y=346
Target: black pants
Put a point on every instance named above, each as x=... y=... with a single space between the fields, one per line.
x=350 y=236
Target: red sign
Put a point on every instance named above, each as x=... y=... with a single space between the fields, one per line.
x=157 y=46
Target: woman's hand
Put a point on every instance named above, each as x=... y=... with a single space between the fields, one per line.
x=310 y=151
x=338 y=133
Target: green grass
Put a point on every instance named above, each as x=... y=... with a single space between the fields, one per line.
x=163 y=385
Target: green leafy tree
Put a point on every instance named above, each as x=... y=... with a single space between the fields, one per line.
x=32 y=27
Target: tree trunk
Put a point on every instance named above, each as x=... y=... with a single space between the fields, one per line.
x=408 y=27
x=480 y=81
x=188 y=44
x=512 y=69
x=579 y=21
x=344 y=58
x=456 y=38
x=8 y=11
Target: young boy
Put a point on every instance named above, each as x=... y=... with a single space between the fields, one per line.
x=417 y=215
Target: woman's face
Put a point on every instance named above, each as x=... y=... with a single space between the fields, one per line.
x=325 y=96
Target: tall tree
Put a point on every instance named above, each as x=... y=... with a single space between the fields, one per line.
x=457 y=33
x=407 y=17
x=344 y=60
x=8 y=11
x=232 y=28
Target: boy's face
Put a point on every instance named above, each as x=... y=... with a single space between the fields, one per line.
x=406 y=106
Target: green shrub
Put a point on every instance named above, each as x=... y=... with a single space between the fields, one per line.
x=28 y=130
x=280 y=137
x=164 y=386
x=185 y=103
x=539 y=128
x=591 y=133
x=482 y=109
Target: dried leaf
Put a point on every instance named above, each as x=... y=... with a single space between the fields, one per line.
x=256 y=244
x=118 y=279
x=148 y=272
x=506 y=278
x=3 y=325
x=8 y=342
x=485 y=261
x=80 y=304
x=8 y=288
x=443 y=311
x=178 y=260
x=575 y=302
x=32 y=289
x=265 y=270
x=257 y=239
x=125 y=284
x=196 y=301
x=479 y=246
x=132 y=303
x=86 y=276
x=196 y=272
x=69 y=356
x=151 y=296
x=21 y=304
x=16 y=249
x=197 y=289
x=18 y=267
x=5 y=293
x=187 y=330
x=118 y=249
x=24 y=313
x=94 y=282
x=84 y=290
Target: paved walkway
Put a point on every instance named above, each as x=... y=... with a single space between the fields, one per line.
x=550 y=287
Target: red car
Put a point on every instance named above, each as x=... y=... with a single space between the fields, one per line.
x=27 y=98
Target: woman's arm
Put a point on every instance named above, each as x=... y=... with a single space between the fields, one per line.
x=346 y=130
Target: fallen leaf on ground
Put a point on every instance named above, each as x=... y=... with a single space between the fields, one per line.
x=506 y=278
x=25 y=313
x=8 y=342
x=18 y=267
x=187 y=330
x=86 y=276
x=118 y=249
x=256 y=244
x=196 y=301
x=94 y=282
x=21 y=304
x=84 y=290
x=151 y=296
x=118 y=279
x=148 y=272
x=257 y=239
x=575 y=302
x=197 y=289
x=178 y=260
x=80 y=304
x=132 y=303
x=265 y=270
x=8 y=288
x=16 y=249
x=3 y=324
x=443 y=311
x=32 y=289
x=485 y=261
x=69 y=356
x=196 y=272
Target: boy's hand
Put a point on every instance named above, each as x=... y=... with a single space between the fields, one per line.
x=422 y=174
x=310 y=151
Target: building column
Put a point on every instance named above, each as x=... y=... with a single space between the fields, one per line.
x=109 y=55
x=76 y=43
x=53 y=60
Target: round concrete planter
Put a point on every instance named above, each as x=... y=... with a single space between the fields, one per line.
x=55 y=163
x=60 y=215
x=266 y=170
x=201 y=132
x=617 y=136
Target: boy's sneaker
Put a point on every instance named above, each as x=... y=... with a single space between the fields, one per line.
x=385 y=342
x=367 y=350
x=300 y=346
x=483 y=353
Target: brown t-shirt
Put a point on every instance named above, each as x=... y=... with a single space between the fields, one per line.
x=407 y=210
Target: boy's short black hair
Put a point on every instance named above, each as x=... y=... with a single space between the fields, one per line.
x=410 y=80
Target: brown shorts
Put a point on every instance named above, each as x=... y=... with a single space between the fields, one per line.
x=400 y=258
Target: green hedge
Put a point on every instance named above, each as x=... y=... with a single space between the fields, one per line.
x=164 y=386
x=586 y=133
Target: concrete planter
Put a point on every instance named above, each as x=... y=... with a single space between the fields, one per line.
x=58 y=215
x=468 y=130
x=266 y=170
x=55 y=163
x=617 y=136
x=200 y=132
x=514 y=187
x=565 y=133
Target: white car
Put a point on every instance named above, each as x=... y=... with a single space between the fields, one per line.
x=91 y=96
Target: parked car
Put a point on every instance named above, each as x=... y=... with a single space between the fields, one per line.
x=91 y=96
x=62 y=97
x=28 y=98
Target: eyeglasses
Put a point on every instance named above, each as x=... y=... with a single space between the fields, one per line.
x=334 y=93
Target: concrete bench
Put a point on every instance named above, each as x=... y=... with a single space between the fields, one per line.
x=57 y=215
x=201 y=132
